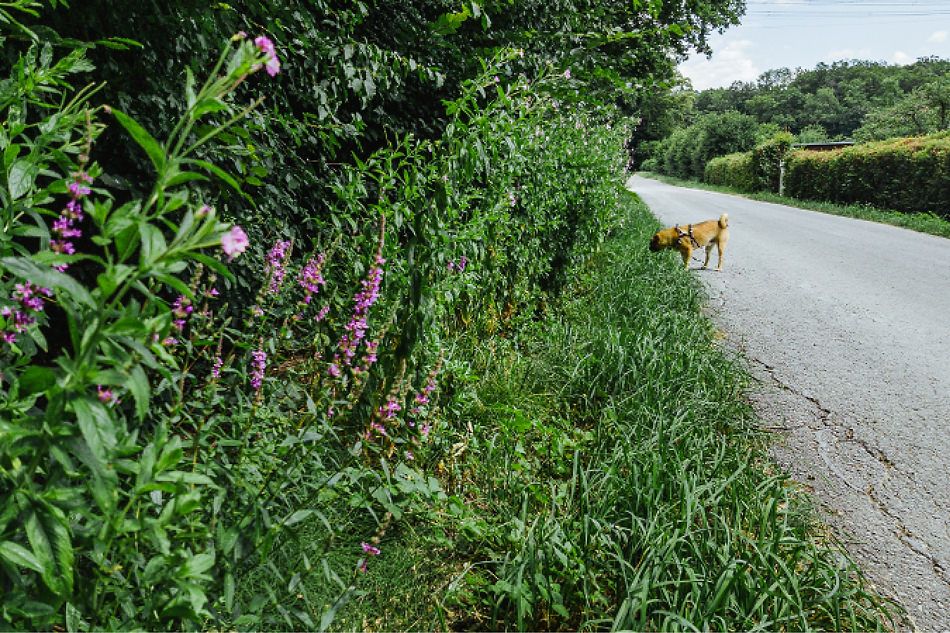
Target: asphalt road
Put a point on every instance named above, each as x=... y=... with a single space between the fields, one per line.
x=846 y=326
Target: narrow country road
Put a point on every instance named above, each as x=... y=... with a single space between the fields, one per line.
x=846 y=326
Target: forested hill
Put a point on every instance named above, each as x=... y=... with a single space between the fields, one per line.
x=838 y=96
x=863 y=100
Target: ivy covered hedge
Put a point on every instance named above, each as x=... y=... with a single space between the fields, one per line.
x=906 y=174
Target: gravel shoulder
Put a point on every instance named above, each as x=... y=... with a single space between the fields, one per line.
x=845 y=324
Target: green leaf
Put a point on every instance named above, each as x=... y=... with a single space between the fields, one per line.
x=37 y=380
x=97 y=428
x=21 y=177
x=153 y=244
x=52 y=547
x=141 y=136
x=218 y=172
x=45 y=276
x=183 y=177
x=137 y=384
x=73 y=619
x=20 y=556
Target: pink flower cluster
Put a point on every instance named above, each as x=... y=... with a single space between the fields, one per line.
x=311 y=278
x=181 y=309
x=356 y=328
x=259 y=358
x=106 y=395
x=458 y=267
x=234 y=242
x=276 y=264
x=266 y=46
x=64 y=228
x=422 y=398
x=369 y=550
x=31 y=300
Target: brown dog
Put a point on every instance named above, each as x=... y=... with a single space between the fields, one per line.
x=686 y=238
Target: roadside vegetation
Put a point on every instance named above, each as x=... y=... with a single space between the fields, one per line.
x=601 y=470
x=923 y=222
x=307 y=322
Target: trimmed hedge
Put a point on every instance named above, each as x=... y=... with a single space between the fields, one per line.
x=907 y=174
x=766 y=158
x=732 y=170
x=755 y=170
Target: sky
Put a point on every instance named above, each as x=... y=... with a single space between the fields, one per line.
x=802 y=33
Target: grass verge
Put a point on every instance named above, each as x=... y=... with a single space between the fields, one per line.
x=601 y=470
x=929 y=223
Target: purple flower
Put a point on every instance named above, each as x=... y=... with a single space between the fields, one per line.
x=275 y=265
x=334 y=370
x=106 y=396
x=259 y=359
x=390 y=408
x=370 y=549
x=234 y=242
x=311 y=278
x=266 y=46
x=216 y=368
x=567 y=73
x=322 y=314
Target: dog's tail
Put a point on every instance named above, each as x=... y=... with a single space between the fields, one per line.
x=723 y=220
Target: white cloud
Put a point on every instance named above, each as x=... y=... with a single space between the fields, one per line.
x=937 y=37
x=900 y=57
x=728 y=64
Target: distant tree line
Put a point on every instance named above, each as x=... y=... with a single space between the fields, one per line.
x=681 y=129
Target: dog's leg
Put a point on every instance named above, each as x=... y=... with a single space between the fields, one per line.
x=708 y=253
x=721 y=243
x=686 y=251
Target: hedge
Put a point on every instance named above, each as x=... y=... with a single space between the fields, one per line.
x=732 y=170
x=907 y=174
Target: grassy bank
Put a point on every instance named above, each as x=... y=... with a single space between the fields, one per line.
x=929 y=223
x=601 y=471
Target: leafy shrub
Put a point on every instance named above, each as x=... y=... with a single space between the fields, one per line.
x=732 y=170
x=766 y=158
x=160 y=453
x=905 y=174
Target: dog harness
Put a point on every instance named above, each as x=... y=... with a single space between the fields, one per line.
x=680 y=233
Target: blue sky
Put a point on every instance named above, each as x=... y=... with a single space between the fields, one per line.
x=802 y=33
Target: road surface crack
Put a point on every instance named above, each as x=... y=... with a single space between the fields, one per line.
x=825 y=420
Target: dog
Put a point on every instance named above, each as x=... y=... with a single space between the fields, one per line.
x=686 y=238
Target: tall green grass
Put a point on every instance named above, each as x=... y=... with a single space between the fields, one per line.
x=621 y=477
x=602 y=470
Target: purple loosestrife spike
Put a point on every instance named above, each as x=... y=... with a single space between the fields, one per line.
x=311 y=278
x=257 y=370
x=275 y=266
x=216 y=368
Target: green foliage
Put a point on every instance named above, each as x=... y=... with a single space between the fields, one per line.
x=924 y=111
x=614 y=478
x=100 y=514
x=766 y=158
x=164 y=447
x=732 y=170
x=835 y=96
x=686 y=152
x=906 y=174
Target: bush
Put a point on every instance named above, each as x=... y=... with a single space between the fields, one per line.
x=766 y=158
x=906 y=174
x=733 y=170
x=164 y=446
